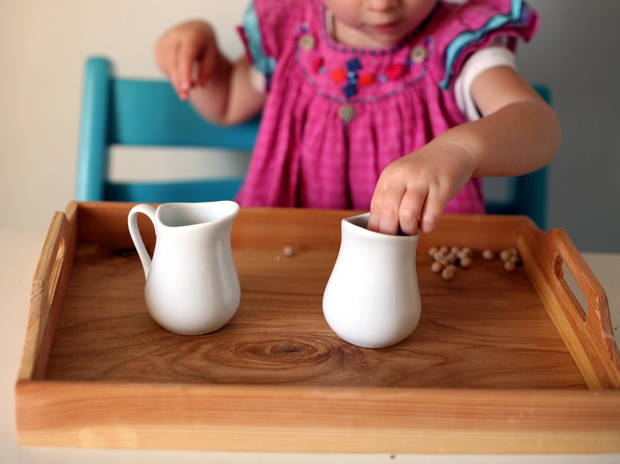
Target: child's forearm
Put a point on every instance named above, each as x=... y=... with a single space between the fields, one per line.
x=228 y=97
x=211 y=99
x=519 y=133
x=516 y=139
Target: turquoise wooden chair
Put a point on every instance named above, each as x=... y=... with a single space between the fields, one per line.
x=148 y=113
x=137 y=112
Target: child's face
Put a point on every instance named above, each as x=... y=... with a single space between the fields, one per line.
x=377 y=23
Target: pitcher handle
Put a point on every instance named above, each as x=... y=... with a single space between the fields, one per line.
x=134 y=231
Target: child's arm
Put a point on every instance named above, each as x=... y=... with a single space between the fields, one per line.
x=219 y=90
x=519 y=133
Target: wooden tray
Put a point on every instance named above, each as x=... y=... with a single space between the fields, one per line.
x=500 y=362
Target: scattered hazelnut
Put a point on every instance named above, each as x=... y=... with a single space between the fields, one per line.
x=514 y=250
x=436 y=267
x=505 y=255
x=509 y=266
x=448 y=273
x=447 y=258
x=289 y=251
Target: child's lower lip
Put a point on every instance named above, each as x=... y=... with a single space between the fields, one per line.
x=386 y=28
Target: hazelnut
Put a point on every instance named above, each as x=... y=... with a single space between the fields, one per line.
x=289 y=251
x=436 y=267
x=509 y=266
x=505 y=255
x=448 y=273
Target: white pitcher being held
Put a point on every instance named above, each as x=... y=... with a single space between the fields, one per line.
x=372 y=298
x=192 y=286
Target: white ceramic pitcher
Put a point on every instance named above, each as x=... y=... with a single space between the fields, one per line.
x=372 y=298
x=192 y=285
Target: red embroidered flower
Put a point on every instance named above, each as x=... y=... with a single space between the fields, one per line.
x=317 y=64
x=365 y=79
x=339 y=75
x=394 y=71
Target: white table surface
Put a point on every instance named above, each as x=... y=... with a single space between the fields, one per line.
x=19 y=254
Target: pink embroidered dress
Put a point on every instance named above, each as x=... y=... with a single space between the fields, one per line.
x=337 y=115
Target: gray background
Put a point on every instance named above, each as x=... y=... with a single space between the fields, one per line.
x=577 y=53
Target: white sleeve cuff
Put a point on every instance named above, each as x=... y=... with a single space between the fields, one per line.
x=476 y=64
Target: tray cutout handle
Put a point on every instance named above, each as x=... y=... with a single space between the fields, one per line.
x=48 y=288
x=597 y=307
x=591 y=326
x=570 y=285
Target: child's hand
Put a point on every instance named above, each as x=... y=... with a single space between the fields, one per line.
x=414 y=190
x=183 y=47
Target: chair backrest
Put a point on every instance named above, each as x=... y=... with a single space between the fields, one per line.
x=138 y=112
x=148 y=113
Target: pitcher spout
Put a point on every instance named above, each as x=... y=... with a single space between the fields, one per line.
x=191 y=214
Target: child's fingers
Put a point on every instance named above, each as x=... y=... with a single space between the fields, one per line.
x=431 y=212
x=186 y=59
x=373 y=219
x=206 y=66
x=409 y=211
x=166 y=52
x=175 y=80
x=375 y=207
x=388 y=210
x=170 y=66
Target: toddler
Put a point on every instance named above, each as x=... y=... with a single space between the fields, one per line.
x=393 y=106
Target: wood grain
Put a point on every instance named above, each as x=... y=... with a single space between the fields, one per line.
x=48 y=287
x=588 y=335
x=317 y=419
x=487 y=369
x=485 y=329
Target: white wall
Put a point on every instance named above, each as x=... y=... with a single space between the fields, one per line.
x=45 y=43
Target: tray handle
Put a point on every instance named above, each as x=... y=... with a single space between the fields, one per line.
x=48 y=287
x=588 y=335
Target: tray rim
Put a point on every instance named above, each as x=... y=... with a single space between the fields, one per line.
x=601 y=399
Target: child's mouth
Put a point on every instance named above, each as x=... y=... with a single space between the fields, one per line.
x=386 y=28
